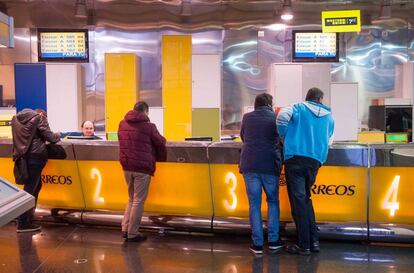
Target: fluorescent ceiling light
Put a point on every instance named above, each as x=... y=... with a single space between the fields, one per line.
x=287 y=13
x=276 y=26
x=80 y=9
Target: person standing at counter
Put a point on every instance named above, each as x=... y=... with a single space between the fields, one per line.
x=140 y=146
x=306 y=129
x=260 y=164
x=30 y=130
x=88 y=131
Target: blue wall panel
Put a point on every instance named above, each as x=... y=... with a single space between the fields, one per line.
x=30 y=82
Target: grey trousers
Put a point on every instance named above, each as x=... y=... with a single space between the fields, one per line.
x=138 y=185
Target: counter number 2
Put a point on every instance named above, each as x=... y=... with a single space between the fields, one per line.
x=390 y=199
x=95 y=173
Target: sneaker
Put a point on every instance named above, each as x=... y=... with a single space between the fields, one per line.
x=258 y=250
x=124 y=234
x=295 y=249
x=275 y=246
x=315 y=247
x=28 y=228
x=138 y=238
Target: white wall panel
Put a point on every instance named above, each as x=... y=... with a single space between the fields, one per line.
x=344 y=102
x=317 y=75
x=156 y=116
x=286 y=84
x=64 y=99
x=206 y=81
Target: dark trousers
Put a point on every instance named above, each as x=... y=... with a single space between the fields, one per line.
x=33 y=186
x=300 y=176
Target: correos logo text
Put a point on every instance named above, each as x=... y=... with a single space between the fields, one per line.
x=56 y=179
x=340 y=190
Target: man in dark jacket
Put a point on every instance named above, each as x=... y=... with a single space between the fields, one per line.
x=260 y=163
x=140 y=146
x=30 y=131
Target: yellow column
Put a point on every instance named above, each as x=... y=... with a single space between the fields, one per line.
x=176 y=86
x=121 y=87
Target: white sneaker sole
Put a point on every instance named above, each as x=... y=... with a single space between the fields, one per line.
x=256 y=252
x=275 y=248
x=28 y=230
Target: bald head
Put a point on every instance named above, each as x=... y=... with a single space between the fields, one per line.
x=87 y=128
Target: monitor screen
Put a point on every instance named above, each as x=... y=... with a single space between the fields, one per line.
x=398 y=119
x=62 y=45
x=314 y=46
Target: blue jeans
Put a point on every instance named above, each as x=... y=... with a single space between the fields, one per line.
x=270 y=183
x=300 y=176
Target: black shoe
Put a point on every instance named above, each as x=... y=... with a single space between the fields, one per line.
x=28 y=228
x=124 y=234
x=315 y=247
x=276 y=246
x=138 y=238
x=257 y=250
x=295 y=249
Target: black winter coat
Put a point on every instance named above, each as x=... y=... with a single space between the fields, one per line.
x=261 y=150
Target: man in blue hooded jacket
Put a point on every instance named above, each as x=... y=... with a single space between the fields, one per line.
x=306 y=129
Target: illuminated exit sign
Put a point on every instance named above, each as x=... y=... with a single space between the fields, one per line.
x=341 y=21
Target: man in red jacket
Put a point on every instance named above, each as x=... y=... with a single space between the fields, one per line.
x=140 y=146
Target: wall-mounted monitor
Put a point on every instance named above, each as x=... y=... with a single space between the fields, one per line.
x=314 y=46
x=63 y=45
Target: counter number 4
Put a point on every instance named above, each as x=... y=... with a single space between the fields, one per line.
x=390 y=199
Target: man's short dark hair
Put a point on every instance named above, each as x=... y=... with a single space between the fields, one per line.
x=263 y=100
x=141 y=106
x=314 y=94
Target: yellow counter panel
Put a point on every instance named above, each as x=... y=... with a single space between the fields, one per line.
x=336 y=194
x=392 y=195
x=179 y=189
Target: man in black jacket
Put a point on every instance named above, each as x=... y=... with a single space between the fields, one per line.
x=30 y=131
x=260 y=163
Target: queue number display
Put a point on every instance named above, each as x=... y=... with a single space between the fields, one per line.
x=64 y=45
x=341 y=21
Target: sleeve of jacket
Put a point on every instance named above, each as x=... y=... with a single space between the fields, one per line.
x=283 y=119
x=158 y=141
x=45 y=131
x=331 y=130
x=242 y=129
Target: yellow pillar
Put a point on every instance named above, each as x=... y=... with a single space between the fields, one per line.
x=121 y=87
x=176 y=86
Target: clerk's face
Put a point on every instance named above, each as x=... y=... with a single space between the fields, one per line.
x=88 y=129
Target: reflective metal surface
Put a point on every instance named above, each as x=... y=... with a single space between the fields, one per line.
x=224 y=152
x=398 y=155
x=181 y=152
x=348 y=155
x=391 y=233
x=6 y=148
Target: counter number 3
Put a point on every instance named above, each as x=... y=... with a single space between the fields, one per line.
x=232 y=180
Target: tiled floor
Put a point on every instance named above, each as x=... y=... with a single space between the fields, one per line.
x=85 y=249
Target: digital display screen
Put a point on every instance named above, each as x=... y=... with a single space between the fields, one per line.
x=6 y=191
x=314 y=46
x=63 y=45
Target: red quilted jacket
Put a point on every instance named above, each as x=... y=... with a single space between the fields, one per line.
x=140 y=143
